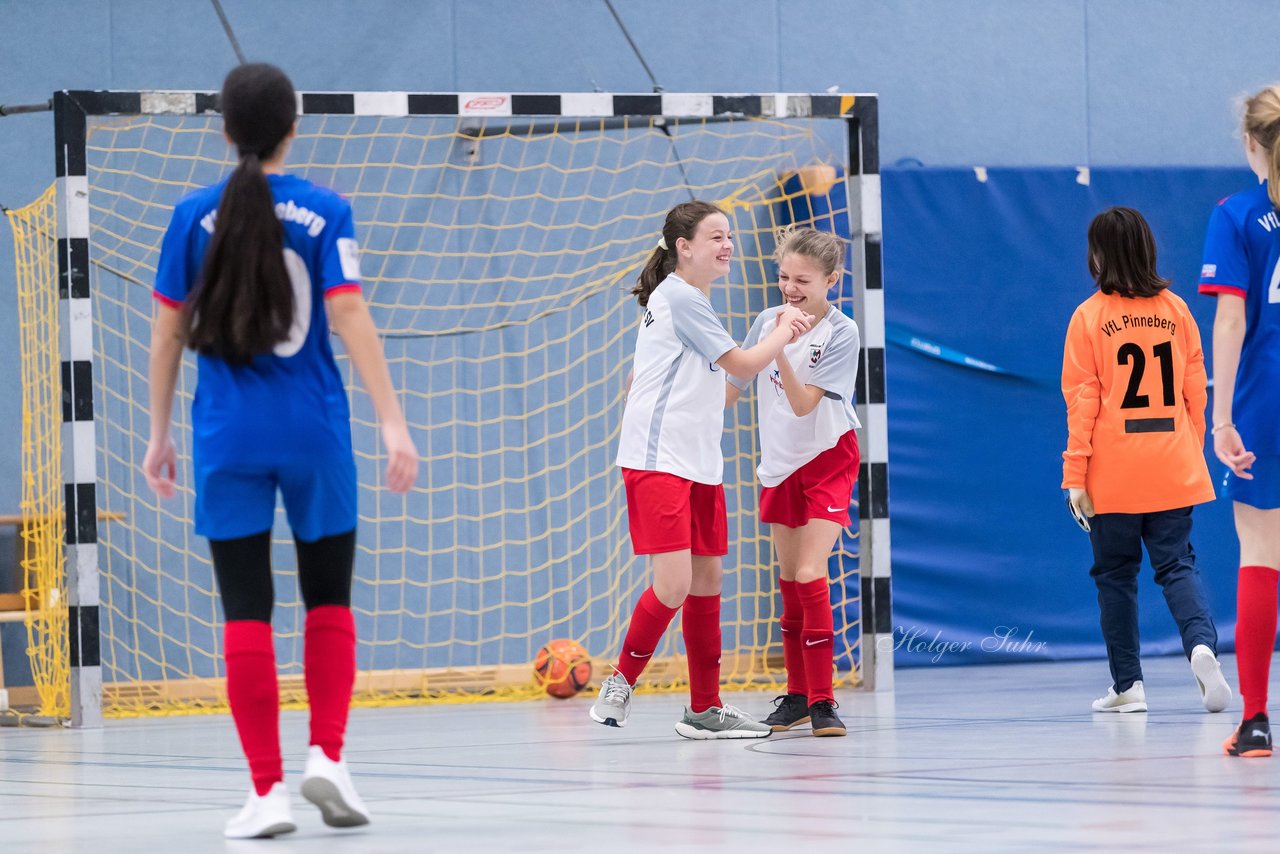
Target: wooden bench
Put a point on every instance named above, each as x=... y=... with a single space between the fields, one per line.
x=12 y=607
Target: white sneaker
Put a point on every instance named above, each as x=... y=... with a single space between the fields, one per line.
x=263 y=816
x=1133 y=700
x=1215 y=693
x=327 y=784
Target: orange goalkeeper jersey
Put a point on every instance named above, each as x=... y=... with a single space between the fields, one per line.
x=1134 y=381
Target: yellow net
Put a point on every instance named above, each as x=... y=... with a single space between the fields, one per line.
x=43 y=520
x=496 y=260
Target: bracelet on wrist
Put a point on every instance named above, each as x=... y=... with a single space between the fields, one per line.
x=1217 y=427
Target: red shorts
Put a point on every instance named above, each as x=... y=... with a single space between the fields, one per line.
x=668 y=513
x=820 y=489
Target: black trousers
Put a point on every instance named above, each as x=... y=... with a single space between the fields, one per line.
x=1117 y=540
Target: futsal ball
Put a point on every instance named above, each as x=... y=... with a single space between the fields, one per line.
x=562 y=667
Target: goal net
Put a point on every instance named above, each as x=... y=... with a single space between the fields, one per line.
x=496 y=253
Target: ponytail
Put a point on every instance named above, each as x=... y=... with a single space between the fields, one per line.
x=242 y=304
x=1273 y=172
x=661 y=263
x=681 y=221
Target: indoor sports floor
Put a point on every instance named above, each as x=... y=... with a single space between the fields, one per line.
x=992 y=758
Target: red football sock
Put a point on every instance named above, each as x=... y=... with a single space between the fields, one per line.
x=1255 y=634
x=702 y=641
x=255 y=698
x=819 y=654
x=792 y=644
x=648 y=621
x=329 y=661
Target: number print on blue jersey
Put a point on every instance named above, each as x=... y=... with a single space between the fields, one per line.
x=300 y=279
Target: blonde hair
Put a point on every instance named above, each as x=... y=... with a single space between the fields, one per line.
x=1262 y=123
x=822 y=247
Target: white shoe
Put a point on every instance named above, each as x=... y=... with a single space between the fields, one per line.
x=327 y=784
x=263 y=816
x=1133 y=700
x=1215 y=693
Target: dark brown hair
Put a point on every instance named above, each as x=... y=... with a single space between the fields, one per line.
x=242 y=304
x=682 y=221
x=1122 y=254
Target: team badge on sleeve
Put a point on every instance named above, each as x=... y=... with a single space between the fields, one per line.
x=1208 y=271
x=815 y=353
x=349 y=255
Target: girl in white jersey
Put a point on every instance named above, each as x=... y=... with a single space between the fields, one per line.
x=808 y=466
x=672 y=467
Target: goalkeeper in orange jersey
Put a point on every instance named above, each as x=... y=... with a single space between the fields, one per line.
x=1134 y=381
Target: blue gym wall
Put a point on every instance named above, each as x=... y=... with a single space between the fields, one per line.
x=1033 y=88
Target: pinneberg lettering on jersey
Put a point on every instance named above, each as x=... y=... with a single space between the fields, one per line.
x=1269 y=220
x=286 y=212
x=1139 y=321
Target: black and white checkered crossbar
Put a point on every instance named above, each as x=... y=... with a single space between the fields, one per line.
x=71 y=112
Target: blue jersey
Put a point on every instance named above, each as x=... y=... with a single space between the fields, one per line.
x=1241 y=251
x=271 y=422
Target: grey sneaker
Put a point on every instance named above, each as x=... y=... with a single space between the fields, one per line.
x=613 y=706
x=722 y=722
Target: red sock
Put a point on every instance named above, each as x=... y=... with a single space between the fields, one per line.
x=815 y=598
x=255 y=699
x=702 y=641
x=329 y=661
x=792 y=645
x=648 y=621
x=1255 y=634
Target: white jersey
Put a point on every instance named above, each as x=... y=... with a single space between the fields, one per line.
x=674 y=414
x=827 y=357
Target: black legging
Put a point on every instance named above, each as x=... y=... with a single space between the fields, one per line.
x=243 y=569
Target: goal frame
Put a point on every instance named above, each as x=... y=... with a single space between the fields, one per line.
x=72 y=110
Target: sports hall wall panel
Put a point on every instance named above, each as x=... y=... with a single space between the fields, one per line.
x=992 y=270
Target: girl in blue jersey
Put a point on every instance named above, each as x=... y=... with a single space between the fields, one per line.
x=1240 y=269
x=253 y=272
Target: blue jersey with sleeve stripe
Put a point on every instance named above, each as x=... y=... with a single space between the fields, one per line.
x=288 y=405
x=1242 y=247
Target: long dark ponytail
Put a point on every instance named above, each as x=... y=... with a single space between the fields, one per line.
x=242 y=304
x=682 y=221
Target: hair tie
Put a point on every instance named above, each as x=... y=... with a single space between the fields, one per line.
x=662 y=243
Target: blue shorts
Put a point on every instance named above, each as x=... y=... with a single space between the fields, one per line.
x=1263 y=492
x=239 y=501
